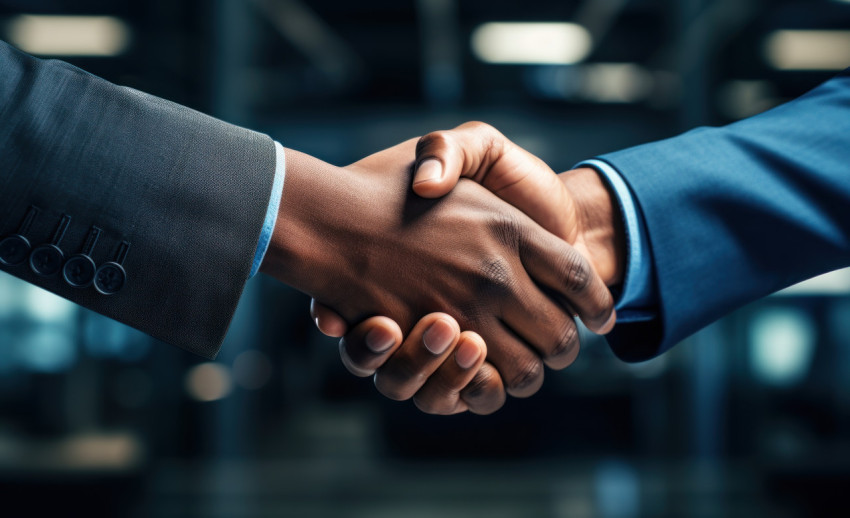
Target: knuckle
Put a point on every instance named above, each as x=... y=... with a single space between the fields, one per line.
x=475 y=125
x=432 y=143
x=566 y=349
x=487 y=132
x=567 y=341
x=507 y=229
x=484 y=394
x=496 y=279
x=598 y=304
x=496 y=271
x=600 y=314
x=471 y=313
x=484 y=386
x=576 y=272
x=529 y=375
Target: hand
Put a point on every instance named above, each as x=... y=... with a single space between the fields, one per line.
x=357 y=239
x=443 y=381
x=575 y=205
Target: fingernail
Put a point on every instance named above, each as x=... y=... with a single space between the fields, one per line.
x=438 y=337
x=379 y=340
x=429 y=170
x=467 y=354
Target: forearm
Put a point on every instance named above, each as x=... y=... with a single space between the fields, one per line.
x=738 y=212
x=187 y=192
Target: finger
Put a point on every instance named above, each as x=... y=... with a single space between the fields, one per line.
x=546 y=326
x=440 y=162
x=520 y=367
x=432 y=340
x=369 y=344
x=480 y=152
x=485 y=393
x=327 y=320
x=470 y=150
x=441 y=392
x=561 y=268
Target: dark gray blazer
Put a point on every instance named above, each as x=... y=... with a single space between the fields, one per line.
x=132 y=206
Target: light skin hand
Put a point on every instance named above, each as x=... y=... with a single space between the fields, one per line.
x=575 y=205
x=359 y=239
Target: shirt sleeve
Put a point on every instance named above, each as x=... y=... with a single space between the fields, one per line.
x=271 y=212
x=636 y=299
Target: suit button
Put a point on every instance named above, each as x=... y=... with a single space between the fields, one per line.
x=110 y=278
x=46 y=260
x=79 y=271
x=14 y=250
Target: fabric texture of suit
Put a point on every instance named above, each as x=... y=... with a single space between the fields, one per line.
x=187 y=192
x=738 y=212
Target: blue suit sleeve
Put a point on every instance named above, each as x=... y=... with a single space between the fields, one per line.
x=735 y=213
x=636 y=297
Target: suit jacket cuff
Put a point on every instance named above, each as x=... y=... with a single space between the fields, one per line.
x=636 y=298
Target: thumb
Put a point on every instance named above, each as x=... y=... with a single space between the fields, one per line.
x=480 y=152
x=327 y=320
x=441 y=160
x=429 y=180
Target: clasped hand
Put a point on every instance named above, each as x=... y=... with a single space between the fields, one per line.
x=509 y=257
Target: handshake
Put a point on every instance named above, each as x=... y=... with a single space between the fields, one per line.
x=462 y=287
x=453 y=266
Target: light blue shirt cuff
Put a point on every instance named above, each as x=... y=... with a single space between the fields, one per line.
x=271 y=212
x=637 y=299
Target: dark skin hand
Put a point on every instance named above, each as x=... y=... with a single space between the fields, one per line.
x=359 y=239
x=440 y=378
x=575 y=205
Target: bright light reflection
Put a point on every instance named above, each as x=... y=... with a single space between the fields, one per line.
x=782 y=345
x=208 y=382
x=833 y=283
x=808 y=50
x=9 y=295
x=531 y=43
x=616 y=82
x=69 y=35
x=43 y=306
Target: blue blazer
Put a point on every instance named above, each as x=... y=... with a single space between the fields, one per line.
x=738 y=212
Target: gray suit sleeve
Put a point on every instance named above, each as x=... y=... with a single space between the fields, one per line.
x=184 y=193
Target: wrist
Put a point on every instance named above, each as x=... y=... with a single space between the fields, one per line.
x=296 y=255
x=601 y=235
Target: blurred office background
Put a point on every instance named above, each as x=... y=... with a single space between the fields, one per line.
x=751 y=417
